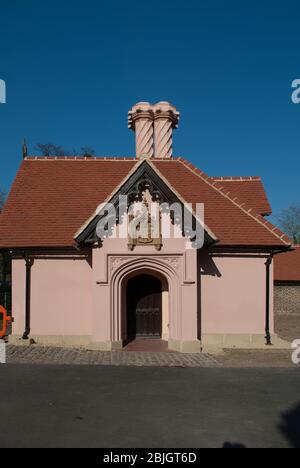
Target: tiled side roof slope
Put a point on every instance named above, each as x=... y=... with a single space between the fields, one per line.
x=287 y=266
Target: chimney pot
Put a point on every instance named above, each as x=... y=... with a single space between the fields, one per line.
x=166 y=118
x=153 y=126
x=140 y=120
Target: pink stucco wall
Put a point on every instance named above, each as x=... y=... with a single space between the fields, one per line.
x=61 y=296
x=233 y=292
x=77 y=296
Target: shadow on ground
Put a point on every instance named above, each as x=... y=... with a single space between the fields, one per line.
x=230 y=445
x=291 y=426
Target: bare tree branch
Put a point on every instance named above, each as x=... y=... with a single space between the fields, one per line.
x=49 y=149
x=87 y=151
x=289 y=221
x=2 y=199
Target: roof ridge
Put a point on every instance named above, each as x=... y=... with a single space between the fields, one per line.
x=241 y=205
x=92 y=158
x=237 y=178
x=80 y=158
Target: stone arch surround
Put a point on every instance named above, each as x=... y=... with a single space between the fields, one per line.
x=160 y=267
x=171 y=269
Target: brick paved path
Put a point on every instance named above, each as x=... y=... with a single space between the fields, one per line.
x=50 y=355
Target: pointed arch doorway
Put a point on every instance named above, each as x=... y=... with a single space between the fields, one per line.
x=144 y=307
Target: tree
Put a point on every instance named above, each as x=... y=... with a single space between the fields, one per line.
x=2 y=199
x=87 y=151
x=289 y=221
x=49 y=149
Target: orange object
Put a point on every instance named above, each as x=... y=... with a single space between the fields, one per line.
x=4 y=319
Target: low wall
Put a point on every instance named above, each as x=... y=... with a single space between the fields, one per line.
x=287 y=310
x=287 y=298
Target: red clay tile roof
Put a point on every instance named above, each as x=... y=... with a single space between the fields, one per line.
x=248 y=189
x=229 y=218
x=51 y=198
x=287 y=266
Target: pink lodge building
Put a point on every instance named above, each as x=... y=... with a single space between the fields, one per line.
x=71 y=287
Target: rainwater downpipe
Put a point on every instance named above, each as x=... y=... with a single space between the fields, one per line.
x=28 y=263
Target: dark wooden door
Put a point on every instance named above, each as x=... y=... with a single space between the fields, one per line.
x=144 y=307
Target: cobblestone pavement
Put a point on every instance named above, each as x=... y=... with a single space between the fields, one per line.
x=51 y=355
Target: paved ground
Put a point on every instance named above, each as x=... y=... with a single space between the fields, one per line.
x=230 y=358
x=287 y=325
x=49 y=355
x=94 y=406
x=256 y=358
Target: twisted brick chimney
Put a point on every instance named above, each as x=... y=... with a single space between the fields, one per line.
x=166 y=119
x=140 y=120
x=153 y=126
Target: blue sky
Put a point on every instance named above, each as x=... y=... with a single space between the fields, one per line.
x=74 y=68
